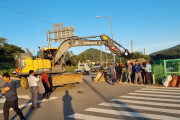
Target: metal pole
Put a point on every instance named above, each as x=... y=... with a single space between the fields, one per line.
x=48 y=38
x=144 y=52
x=131 y=46
x=112 y=36
x=111 y=27
x=106 y=59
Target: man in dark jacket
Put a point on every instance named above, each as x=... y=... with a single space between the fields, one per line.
x=117 y=68
x=138 y=69
x=9 y=91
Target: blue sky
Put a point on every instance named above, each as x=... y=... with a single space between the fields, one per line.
x=151 y=24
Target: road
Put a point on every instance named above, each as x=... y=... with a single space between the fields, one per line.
x=101 y=101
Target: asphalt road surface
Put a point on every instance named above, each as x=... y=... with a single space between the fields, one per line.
x=101 y=101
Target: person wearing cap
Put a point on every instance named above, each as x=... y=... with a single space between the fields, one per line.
x=148 y=72
x=113 y=73
x=45 y=81
x=129 y=71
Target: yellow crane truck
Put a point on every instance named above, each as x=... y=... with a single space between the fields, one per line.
x=53 y=59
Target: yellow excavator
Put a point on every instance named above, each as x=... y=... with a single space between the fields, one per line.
x=53 y=59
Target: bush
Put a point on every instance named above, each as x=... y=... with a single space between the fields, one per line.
x=7 y=71
x=70 y=68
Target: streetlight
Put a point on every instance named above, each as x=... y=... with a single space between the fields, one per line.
x=111 y=35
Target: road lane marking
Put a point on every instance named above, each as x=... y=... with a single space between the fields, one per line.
x=172 y=88
x=149 y=89
x=3 y=99
x=147 y=103
x=131 y=114
x=30 y=103
x=89 y=117
x=150 y=98
x=140 y=107
x=142 y=91
x=154 y=95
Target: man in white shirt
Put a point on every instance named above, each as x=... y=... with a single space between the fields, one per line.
x=34 y=88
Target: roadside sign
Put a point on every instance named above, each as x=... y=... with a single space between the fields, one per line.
x=61 y=34
x=57 y=25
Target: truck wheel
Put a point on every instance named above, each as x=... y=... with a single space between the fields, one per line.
x=24 y=82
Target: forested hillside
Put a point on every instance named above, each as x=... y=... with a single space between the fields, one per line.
x=171 y=53
x=7 y=54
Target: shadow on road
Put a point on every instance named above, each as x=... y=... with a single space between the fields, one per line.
x=107 y=100
x=67 y=105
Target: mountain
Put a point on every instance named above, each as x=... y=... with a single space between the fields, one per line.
x=170 y=53
x=94 y=55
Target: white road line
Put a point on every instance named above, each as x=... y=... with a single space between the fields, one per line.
x=172 y=88
x=132 y=114
x=160 y=90
x=150 y=98
x=141 y=108
x=3 y=99
x=89 y=117
x=142 y=91
x=28 y=104
x=154 y=95
x=147 y=103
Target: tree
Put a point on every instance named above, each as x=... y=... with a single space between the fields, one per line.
x=138 y=55
x=3 y=41
x=11 y=50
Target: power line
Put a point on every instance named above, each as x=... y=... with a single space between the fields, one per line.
x=36 y=18
x=22 y=7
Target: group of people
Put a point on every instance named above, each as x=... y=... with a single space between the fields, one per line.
x=9 y=91
x=131 y=73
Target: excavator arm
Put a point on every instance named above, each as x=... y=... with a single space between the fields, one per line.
x=112 y=45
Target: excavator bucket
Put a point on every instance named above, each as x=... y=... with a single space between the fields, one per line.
x=101 y=77
x=65 y=79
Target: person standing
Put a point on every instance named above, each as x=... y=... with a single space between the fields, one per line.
x=148 y=72
x=113 y=73
x=46 y=84
x=9 y=91
x=117 y=68
x=121 y=71
x=138 y=69
x=129 y=71
x=34 y=88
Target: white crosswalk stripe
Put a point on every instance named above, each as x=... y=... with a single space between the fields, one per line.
x=132 y=114
x=154 y=95
x=150 y=98
x=29 y=103
x=140 y=107
x=147 y=103
x=89 y=117
x=167 y=90
x=159 y=99
x=172 y=93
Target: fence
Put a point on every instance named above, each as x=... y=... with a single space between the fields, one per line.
x=162 y=68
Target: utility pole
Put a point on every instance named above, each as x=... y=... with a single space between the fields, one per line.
x=111 y=31
x=131 y=46
x=106 y=59
x=48 y=38
x=100 y=54
x=119 y=57
x=144 y=52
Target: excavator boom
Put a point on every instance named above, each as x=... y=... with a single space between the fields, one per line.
x=113 y=46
